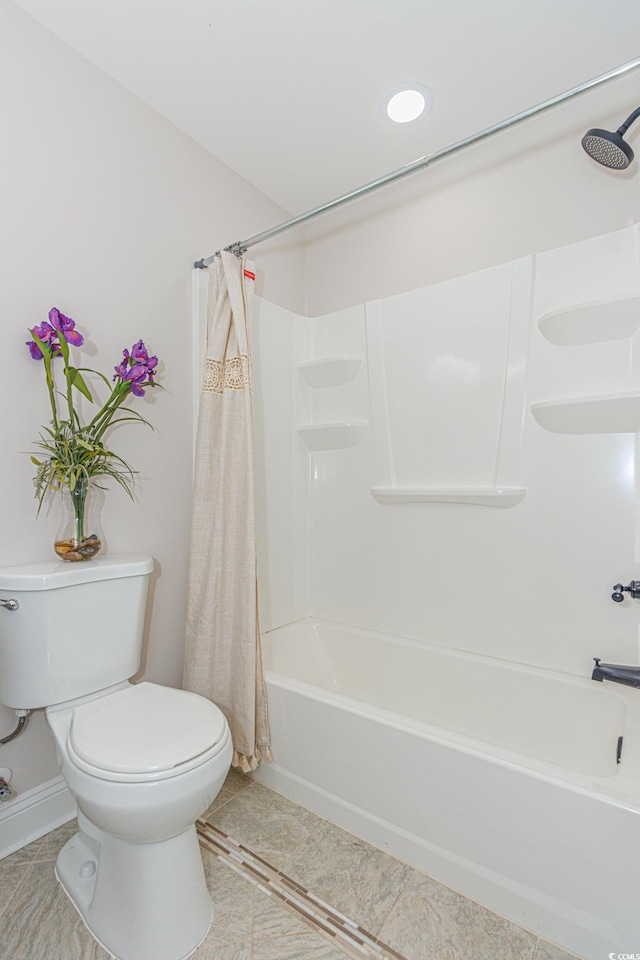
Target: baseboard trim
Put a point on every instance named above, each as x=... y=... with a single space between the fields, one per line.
x=33 y=814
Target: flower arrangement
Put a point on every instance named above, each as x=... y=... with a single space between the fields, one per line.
x=75 y=453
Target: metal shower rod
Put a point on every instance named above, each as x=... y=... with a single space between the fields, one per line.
x=242 y=245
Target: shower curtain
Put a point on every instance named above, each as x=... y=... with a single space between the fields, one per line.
x=223 y=659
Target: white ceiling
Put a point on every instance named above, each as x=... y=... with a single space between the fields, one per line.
x=287 y=92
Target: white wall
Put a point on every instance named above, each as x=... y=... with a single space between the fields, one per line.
x=105 y=205
x=529 y=189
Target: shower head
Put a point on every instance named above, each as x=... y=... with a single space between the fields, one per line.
x=608 y=148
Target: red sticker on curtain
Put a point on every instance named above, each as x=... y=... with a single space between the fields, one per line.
x=249 y=275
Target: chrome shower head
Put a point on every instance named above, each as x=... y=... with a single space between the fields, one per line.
x=610 y=149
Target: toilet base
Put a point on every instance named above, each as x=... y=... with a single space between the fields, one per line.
x=140 y=901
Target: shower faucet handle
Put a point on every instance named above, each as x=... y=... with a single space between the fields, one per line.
x=633 y=589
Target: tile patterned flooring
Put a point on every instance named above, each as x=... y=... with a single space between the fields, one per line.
x=419 y=918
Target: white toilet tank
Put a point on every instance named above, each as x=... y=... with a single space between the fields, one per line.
x=76 y=630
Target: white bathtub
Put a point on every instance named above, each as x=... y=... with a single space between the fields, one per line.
x=499 y=780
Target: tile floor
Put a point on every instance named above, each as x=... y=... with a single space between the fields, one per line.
x=418 y=917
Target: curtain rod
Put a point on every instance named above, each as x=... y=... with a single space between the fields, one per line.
x=242 y=245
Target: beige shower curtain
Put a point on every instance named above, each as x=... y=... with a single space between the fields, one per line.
x=223 y=659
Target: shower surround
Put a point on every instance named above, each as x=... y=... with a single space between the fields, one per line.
x=456 y=466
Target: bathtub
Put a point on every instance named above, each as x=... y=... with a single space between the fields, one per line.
x=509 y=783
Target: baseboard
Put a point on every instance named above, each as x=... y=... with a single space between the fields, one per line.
x=33 y=814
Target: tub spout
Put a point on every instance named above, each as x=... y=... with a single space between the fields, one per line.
x=616 y=672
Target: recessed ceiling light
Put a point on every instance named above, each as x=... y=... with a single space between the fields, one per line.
x=408 y=102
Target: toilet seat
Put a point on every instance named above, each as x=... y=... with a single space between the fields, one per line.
x=145 y=732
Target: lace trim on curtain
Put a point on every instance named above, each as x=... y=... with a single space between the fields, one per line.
x=231 y=374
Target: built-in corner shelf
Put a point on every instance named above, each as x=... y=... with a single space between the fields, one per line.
x=613 y=413
x=332 y=436
x=330 y=372
x=481 y=496
x=614 y=319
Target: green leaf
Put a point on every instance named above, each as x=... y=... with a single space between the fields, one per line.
x=64 y=348
x=78 y=382
x=97 y=374
x=133 y=415
x=43 y=346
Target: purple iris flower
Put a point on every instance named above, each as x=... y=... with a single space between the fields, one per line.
x=137 y=368
x=136 y=376
x=66 y=327
x=141 y=355
x=121 y=370
x=48 y=335
x=34 y=350
x=139 y=351
x=45 y=331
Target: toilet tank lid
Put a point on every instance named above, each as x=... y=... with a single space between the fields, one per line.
x=51 y=574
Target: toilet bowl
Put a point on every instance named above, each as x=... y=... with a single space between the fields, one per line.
x=142 y=761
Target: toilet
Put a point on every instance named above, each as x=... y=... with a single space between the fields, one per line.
x=142 y=761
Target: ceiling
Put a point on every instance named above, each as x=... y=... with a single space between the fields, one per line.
x=288 y=92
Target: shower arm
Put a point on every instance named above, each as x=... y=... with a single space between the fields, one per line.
x=242 y=245
x=625 y=126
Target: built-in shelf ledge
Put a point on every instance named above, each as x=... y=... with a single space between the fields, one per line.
x=614 y=319
x=330 y=372
x=332 y=436
x=482 y=496
x=613 y=413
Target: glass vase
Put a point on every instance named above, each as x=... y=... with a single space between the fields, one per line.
x=79 y=536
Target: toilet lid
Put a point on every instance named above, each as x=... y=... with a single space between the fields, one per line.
x=145 y=728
